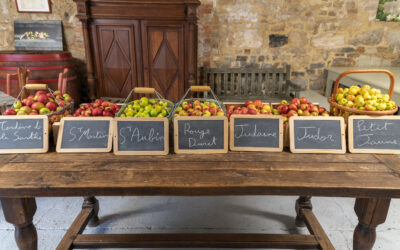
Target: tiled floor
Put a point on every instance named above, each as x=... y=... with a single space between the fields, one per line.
x=262 y=214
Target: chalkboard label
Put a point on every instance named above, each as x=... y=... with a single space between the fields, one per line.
x=256 y=133
x=85 y=134
x=24 y=134
x=141 y=136
x=200 y=135
x=368 y=134
x=317 y=134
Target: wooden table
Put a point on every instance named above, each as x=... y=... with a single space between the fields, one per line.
x=372 y=179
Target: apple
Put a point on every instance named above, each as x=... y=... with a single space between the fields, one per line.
x=44 y=111
x=37 y=106
x=42 y=98
x=295 y=101
x=303 y=100
x=251 y=106
x=300 y=112
x=40 y=92
x=220 y=113
x=304 y=106
x=284 y=102
x=266 y=107
x=10 y=112
x=17 y=104
x=293 y=106
x=306 y=113
x=21 y=113
x=252 y=112
x=321 y=110
x=97 y=111
x=26 y=109
x=247 y=103
x=52 y=106
x=34 y=112
x=258 y=103
x=29 y=102
x=292 y=113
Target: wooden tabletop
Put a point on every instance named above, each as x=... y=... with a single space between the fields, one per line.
x=235 y=173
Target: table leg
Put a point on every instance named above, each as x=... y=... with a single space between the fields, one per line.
x=371 y=212
x=20 y=212
x=92 y=202
x=302 y=202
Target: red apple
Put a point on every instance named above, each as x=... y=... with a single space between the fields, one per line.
x=321 y=110
x=304 y=106
x=295 y=101
x=258 y=103
x=292 y=113
x=310 y=105
x=10 y=112
x=213 y=111
x=314 y=109
x=105 y=104
x=40 y=92
x=244 y=110
x=33 y=112
x=42 y=98
x=252 y=112
x=52 y=106
x=247 y=103
x=303 y=100
x=29 y=102
x=37 y=106
x=283 y=109
x=97 y=111
x=292 y=107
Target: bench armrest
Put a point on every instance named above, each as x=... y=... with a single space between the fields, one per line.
x=292 y=86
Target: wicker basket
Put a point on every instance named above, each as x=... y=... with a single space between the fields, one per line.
x=339 y=110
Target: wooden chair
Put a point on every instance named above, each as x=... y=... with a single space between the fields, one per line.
x=21 y=77
x=62 y=81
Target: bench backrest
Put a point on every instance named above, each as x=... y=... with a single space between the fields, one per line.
x=242 y=83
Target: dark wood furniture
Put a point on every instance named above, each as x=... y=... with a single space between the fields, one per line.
x=372 y=179
x=240 y=84
x=134 y=43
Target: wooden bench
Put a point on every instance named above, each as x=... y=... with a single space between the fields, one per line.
x=238 y=84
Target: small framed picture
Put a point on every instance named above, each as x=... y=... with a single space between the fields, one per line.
x=33 y=6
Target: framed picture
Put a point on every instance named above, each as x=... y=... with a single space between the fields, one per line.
x=38 y=35
x=33 y=6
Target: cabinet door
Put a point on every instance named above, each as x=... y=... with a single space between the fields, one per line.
x=163 y=51
x=116 y=46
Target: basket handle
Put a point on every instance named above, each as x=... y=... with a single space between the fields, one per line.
x=142 y=90
x=41 y=86
x=390 y=74
x=200 y=88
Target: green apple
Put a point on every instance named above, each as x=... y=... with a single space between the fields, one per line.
x=44 y=111
x=343 y=101
x=144 y=101
x=18 y=104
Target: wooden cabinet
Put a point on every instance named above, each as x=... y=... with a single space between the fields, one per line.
x=130 y=43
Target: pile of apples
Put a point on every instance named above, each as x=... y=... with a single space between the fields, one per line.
x=145 y=107
x=41 y=103
x=298 y=107
x=97 y=108
x=199 y=108
x=364 y=98
x=250 y=108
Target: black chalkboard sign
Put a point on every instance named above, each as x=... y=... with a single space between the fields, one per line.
x=317 y=134
x=200 y=135
x=368 y=134
x=141 y=136
x=24 y=134
x=256 y=133
x=85 y=134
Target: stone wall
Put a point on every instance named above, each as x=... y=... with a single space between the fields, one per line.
x=310 y=35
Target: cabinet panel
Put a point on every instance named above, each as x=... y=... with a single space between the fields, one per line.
x=164 y=67
x=116 y=64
